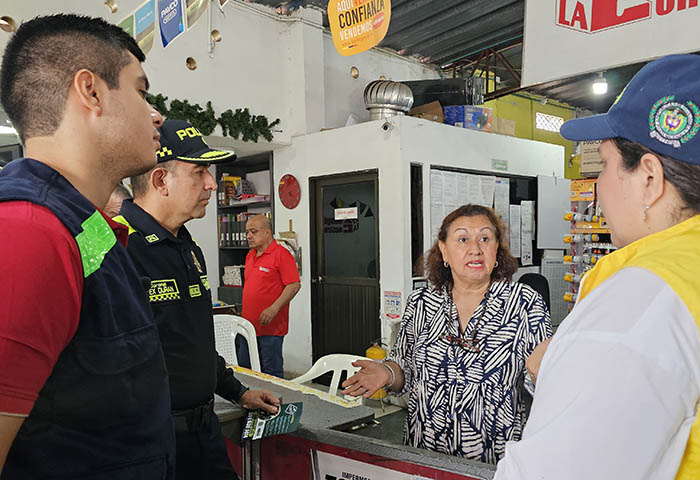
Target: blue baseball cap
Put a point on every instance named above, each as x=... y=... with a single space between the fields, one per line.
x=659 y=108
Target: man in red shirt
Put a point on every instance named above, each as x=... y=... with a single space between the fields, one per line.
x=271 y=281
x=83 y=383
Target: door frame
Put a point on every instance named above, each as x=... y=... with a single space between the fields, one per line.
x=316 y=237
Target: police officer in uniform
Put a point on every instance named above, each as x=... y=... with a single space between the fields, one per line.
x=175 y=191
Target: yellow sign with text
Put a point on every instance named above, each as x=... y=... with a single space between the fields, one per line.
x=358 y=25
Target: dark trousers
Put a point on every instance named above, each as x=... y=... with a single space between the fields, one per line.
x=270 y=349
x=201 y=454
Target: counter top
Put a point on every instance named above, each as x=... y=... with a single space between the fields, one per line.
x=328 y=422
x=318 y=413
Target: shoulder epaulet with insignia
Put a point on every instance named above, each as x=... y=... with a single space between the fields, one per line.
x=122 y=220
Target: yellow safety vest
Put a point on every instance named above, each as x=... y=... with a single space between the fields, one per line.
x=673 y=255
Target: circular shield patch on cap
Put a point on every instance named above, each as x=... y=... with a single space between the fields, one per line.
x=674 y=123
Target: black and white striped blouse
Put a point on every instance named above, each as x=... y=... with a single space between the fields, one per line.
x=463 y=402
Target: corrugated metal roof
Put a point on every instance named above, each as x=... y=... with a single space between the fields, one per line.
x=454 y=32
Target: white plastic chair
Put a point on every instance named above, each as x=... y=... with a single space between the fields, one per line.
x=335 y=362
x=226 y=327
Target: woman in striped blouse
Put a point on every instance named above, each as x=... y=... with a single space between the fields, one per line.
x=463 y=342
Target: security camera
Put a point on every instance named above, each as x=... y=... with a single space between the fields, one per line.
x=387 y=125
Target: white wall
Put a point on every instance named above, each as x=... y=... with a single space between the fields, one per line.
x=343 y=150
x=368 y=146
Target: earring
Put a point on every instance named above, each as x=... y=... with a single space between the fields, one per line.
x=447 y=265
x=496 y=264
x=646 y=207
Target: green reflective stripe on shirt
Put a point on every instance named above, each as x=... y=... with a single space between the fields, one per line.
x=96 y=239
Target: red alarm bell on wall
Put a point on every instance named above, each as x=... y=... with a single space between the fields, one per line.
x=289 y=191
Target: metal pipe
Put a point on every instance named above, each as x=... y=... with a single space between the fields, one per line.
x=475 y=52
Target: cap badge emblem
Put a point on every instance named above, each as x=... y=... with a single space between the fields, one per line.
x=674 y=123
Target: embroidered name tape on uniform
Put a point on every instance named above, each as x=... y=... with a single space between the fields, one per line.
x=163 y=290
x=265 y=269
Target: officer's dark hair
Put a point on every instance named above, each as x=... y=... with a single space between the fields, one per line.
x=685 y=177
x=42 y=58
x=140 y=183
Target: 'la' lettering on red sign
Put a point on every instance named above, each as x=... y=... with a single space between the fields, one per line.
x=591 y=16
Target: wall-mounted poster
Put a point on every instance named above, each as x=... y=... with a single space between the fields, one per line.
x=358 y=25
x=145 y=25
x=127 y=24
x=195 y=9
x=171 y=19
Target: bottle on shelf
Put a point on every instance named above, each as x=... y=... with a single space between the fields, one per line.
x=570 y=297
x=578 y=237
x=587 y=259
x=577 y=217
x=573 y=277
x=572 y=258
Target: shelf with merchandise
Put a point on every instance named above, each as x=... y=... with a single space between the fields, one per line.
x=589 y=240
x=248 y=177
x=244 y=204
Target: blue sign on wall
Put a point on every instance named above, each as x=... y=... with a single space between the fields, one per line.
x=170 y=19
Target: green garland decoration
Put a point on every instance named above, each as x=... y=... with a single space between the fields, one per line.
x=235 y=124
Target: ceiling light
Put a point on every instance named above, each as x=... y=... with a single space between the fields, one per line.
x=5 y=130
x=600 y=85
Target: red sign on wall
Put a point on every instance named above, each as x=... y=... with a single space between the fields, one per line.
x=564 y=38
x=592 y=16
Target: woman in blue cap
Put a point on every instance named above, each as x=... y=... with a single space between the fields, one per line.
x=618 y=389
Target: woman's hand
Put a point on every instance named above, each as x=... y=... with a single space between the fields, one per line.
x=371 y=377
x=535 y=359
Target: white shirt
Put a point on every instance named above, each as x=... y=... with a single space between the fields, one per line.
x=618 y=388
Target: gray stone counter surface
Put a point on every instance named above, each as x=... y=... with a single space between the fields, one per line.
x=326 y=422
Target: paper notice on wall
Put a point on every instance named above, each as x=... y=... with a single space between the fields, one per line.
x=436 y=216
x=450 y=199
x=480 y=189
x=501 y=200
x=473 y=189
x=449 y=188
x=462 y=188
x=349 y=213
x=488 y=188
x=437 y=212
x=392 y=304
x=515 y=230
x=527 y=230
x=325 y=466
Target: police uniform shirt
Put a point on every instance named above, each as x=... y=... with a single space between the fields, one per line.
x=181 y=301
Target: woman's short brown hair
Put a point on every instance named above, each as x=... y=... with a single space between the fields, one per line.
x=439 y=275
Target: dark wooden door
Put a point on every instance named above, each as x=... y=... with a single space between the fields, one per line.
x=345 y=263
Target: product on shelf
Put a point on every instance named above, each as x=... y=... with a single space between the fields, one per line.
x=589 y=240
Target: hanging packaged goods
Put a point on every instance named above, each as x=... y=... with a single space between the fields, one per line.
x=589 y=240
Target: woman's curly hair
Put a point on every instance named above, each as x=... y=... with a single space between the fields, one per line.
x=440 y=276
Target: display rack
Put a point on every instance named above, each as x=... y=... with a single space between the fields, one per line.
x=589 y=239
x=232 y=215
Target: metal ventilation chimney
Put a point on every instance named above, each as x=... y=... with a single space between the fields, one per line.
x=386 y=99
